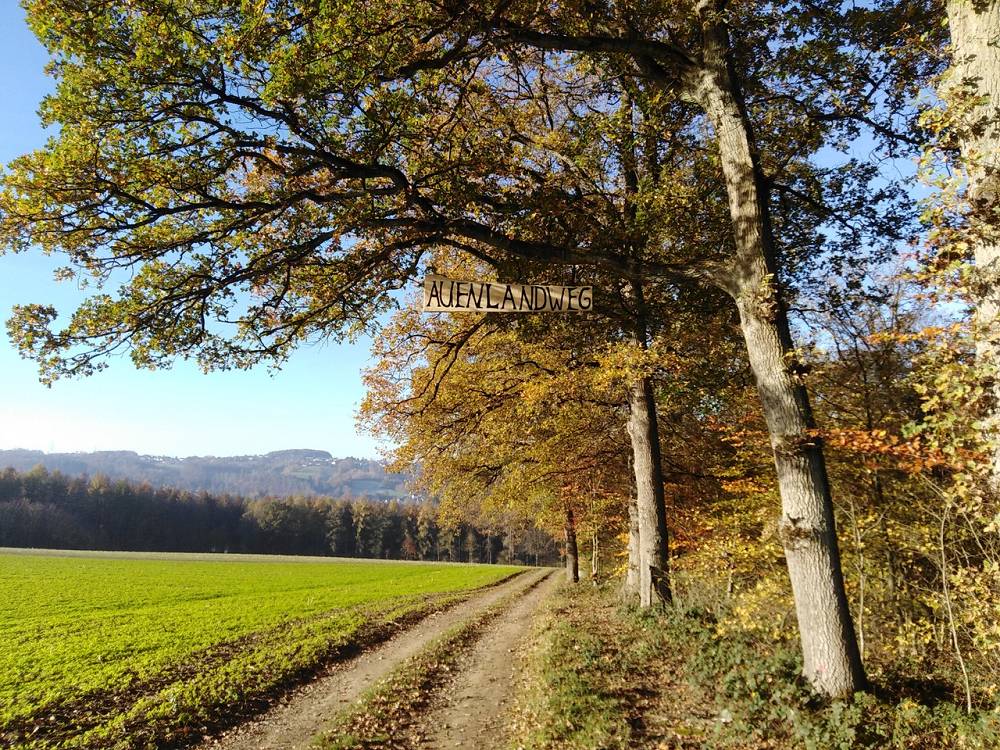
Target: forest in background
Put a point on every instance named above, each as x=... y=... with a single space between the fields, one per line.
x=278 y=473
x=49 y=510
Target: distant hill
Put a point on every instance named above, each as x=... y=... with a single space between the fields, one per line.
x=289 y=472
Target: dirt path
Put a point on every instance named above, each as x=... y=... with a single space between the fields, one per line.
x=470 y=711
x=307 y=712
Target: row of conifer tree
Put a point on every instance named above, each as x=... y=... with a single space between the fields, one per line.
x=43 y=509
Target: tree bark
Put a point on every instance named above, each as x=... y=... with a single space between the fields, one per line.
x=832 y=661
x=572 y=553
x=630 y=590
x=653 y=578
x=975 y=37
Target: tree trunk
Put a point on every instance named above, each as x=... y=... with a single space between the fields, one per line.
x=630 y=591
x=572 y=554
x=832 y=661
x=651 y=514
x=893 y=573
x=975 y=37
x=595 y=558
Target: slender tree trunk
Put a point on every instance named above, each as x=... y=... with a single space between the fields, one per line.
x=595 y=558
x=975 y=37
x=572 y=553
x=653 y=573
x=946 y=591
x=892 y=562
x=630 y=591
x=859 y=547
x=832 y=661
x=653 y=579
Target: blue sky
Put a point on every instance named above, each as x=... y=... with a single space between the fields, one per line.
x=310 y=403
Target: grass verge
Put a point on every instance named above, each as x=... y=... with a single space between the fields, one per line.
x=598 y=675
x=593 y=678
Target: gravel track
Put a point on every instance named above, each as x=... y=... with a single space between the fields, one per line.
x=470 y=711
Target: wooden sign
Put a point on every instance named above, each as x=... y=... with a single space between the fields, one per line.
x=447 y=295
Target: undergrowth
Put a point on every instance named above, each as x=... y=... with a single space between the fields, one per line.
x=600 y=675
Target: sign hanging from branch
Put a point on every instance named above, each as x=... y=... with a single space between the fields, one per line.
x=447 y=295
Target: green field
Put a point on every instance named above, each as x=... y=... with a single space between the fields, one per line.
x=119 y=651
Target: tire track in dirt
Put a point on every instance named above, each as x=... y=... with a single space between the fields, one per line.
x=470 y=711
x=295 y=722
